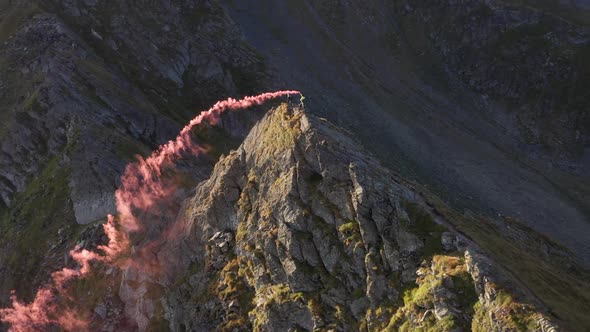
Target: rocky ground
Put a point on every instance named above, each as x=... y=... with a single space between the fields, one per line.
x=482 y=102
x=84 y=90
x=300 y=229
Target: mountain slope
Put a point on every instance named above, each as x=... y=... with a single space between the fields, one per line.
x=82 y=93
x=482 y=101
x=399 y=75
x=300 y=229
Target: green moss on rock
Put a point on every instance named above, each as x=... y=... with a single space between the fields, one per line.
x=39 y=219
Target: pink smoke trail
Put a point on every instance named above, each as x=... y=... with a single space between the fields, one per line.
x=140 y=189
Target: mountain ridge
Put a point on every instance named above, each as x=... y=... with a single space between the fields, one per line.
x=259 y=227
x=478 y=104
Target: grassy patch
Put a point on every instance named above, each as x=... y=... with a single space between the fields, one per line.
x=235 y=275
x=378 y=317
x=414 y=315
x=507 y=313
x=422 y=225
x=30 y=227
x=554 y=278
x=351 y=232
x=275 y=295
x=281 y=294
x=281 y=130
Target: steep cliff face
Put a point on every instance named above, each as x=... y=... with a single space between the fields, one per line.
x=85 y=86
x=482 y=100
x=300 y=229
x=81 y=73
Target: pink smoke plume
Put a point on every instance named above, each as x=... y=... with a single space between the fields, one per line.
x=140 y=190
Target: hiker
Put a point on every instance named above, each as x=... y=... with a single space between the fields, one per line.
x=301 y=101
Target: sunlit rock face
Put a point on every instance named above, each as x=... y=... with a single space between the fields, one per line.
x=299 y=228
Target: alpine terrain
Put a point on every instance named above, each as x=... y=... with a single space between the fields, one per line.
x=330 y=165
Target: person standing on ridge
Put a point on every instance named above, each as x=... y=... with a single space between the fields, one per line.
x=301 y=101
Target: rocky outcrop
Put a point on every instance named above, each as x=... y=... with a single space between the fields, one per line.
x=99 y=87
x=300 y=229
x=86 y=85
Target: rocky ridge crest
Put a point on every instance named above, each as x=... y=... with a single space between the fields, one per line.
x=301 y=229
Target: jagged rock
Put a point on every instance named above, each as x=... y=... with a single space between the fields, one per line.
x=290 y=268
x=84 y=90
x=448 y=241
x=218 y=247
